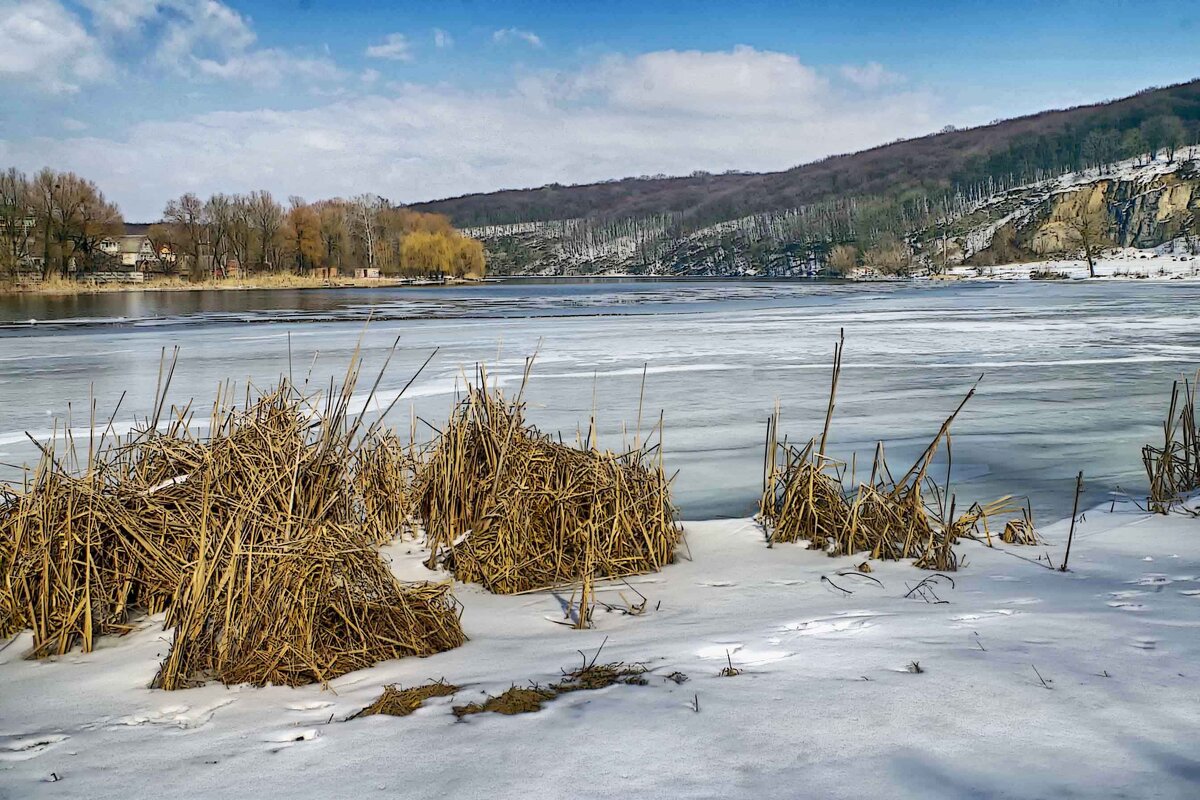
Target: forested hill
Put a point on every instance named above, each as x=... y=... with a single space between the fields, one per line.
x=1004 y=154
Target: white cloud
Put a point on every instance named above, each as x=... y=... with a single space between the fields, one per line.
x=45 y=46
x=369 y=75
x=72 y=124
x=121 y=15
x=442 y=39
x=202 y=39
x=741 y=81
x=395 y=47
x=265 y=68
x=871 y=75
x=748 y=109
x=516 y=34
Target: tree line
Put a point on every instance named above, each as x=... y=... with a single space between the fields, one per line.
x=55 y=222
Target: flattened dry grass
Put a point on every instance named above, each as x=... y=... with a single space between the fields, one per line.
x=528 y=699
x=397 y=702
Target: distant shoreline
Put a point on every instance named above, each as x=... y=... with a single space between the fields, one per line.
x=60 y=287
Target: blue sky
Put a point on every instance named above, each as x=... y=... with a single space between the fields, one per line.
x=413 y=101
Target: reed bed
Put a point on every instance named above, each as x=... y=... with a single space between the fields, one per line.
x=1174 y=468
x=805 y=499
x=506 y=506
x=258 y=541
x=385 y=472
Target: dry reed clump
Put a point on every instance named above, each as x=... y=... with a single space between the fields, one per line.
x=253 y=539
x=399 y=702
x=1021 y=531
x=805 y=499
x=505 y=506
x=1018 y=531
x=73 y=557
x=1174 y=468
x=385 y=472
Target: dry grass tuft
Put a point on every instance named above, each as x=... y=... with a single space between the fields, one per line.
x=599 y=676
x=517 y=700
x=1021 y=531
x=399 y=702
x=507 y=507
x=589 y=677
x=385 y=471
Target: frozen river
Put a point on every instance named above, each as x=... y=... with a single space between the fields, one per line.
x=1076 y=375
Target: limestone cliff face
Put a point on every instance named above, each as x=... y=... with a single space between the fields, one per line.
x=1141 y=211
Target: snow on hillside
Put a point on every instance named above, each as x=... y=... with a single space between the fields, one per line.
x=1015 y=680
x=1172 y=261
x=1017 y=206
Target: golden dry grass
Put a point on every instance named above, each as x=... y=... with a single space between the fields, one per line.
x=805 y=499
x=397 y=702
x=507 y=507
x=257 y=540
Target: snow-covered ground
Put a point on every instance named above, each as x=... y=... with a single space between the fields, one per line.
x=1165 y=263
x=1032 y=683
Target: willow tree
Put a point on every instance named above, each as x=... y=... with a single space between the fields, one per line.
x=424 y=253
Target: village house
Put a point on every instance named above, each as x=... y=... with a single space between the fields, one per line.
x=132 y=252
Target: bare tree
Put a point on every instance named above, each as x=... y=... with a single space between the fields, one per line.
x=44 y=190
x=1099 y=149
x=187 y=230
x=266 y=219
x=87 y=217
x=1174 y=135
x=364 y=219
x=16 y=219
x=218 y=211
x=332 y=231
x=842 y=259
x=1089 y=234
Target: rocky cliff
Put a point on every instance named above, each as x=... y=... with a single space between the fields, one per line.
x=1140 y=205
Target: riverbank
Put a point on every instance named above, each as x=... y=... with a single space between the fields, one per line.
x=1128 y=264
x=60 y=286
x=1081 y=682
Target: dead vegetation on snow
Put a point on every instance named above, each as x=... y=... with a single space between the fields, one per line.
x=805 y=499
x=257 y=539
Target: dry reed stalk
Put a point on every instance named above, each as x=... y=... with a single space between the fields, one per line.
x=258 y=540
x=805 y=499
x=507 y=507
x=1174 y=468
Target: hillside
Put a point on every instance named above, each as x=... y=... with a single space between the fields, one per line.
x=788 y=222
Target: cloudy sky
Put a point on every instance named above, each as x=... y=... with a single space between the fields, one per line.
x=415 y=101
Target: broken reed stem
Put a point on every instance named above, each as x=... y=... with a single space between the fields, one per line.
x=1074 y=517
x=804 y=498
x=837 y=371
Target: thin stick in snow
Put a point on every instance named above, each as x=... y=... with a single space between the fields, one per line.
x=1074 y=516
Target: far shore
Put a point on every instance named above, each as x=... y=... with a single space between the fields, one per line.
x=61 y=286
